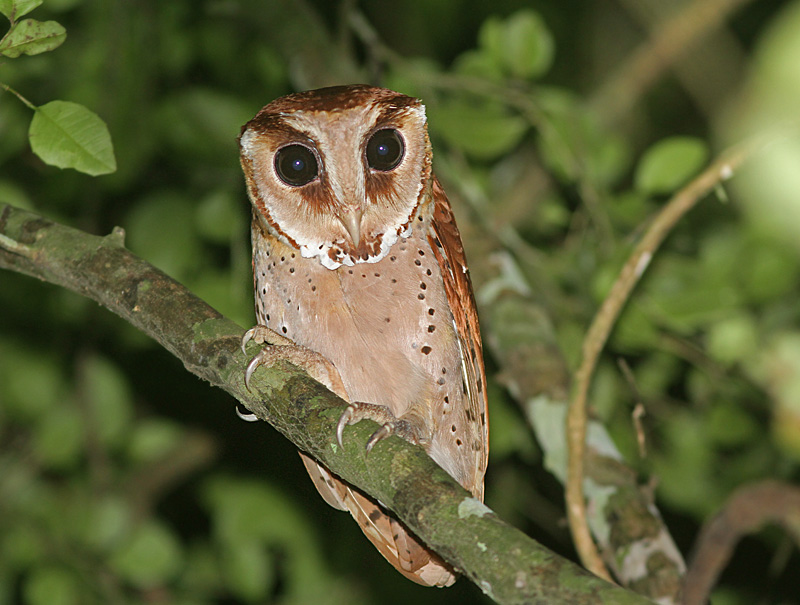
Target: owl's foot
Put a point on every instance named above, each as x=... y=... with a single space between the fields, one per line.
x=263 y=335
x=390 y=425
x=281 y=348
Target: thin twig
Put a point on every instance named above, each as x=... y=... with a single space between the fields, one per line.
x=748 y=509
x=602 y=324
x=7 y=88
x=620 y=92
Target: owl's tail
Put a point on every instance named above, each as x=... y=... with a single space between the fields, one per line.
x=392 y=539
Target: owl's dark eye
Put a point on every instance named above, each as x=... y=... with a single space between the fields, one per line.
x=296 y=165
x=385 y=150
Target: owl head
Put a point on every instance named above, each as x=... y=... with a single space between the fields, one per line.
x=338 y=173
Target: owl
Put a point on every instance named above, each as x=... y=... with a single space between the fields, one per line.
x=359 y=271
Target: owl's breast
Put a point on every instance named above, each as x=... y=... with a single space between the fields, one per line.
x=386 y=326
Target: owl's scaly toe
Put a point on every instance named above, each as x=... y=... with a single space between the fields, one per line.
x=390 y=425
x=261 y=334
x=281 y=348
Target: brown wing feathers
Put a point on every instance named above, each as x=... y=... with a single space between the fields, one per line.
x=449 y=252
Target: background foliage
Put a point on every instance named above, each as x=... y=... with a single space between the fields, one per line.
x=123 y=479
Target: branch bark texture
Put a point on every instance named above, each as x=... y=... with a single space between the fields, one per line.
x=506 y=564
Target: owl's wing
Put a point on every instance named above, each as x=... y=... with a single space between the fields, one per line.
x=445 y=241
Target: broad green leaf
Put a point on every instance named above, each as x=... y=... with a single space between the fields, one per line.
x=21 y=545
x=151 y=233
x=573 y=142
x=153 y=439
x=107 y=520
x=248 y=569
x=198 y=123
x=766 y=270
x=32 y=37
x=32 y=384
x=730 y=425
x=244 y=511
x=479 y=64
x=52 y=585
x=670 y=163
x=778 y=372
x=218 y=216
x=59 y=438
x=483 y=131
x=12 y=193
x=733 y=339
x=108 y=398
x=14 y=9
x=68 y=135
x=151 y=556
x=767 y=186
x=520 y=44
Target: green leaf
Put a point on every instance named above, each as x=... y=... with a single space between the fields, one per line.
x=68 y=135
x=219 y=216
x=109 y=400
x=150 y=557
x=31 y=384
x=52 y=586
x=32 y=37
x=778 y=372
x=175 y=251
x=14 y=9
x=152 y=439
x=58 y=440
x=521 y=44
x=670 y=163
x=730 y=425
x=483 y=131
x=573 y=142
x=248 y=569
x=198 y=123
x=733 y=338
x=22 y=546
x=107 y=520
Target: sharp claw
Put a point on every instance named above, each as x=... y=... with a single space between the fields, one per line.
x=251 y=367
x=246 y=417
x=248 y=336
x=381 y=433
x=344 y=420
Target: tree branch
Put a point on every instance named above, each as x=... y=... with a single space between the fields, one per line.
x=746 y=511
x=667 y=44
x=502 y=561
x=633 y=538
x=605 y=319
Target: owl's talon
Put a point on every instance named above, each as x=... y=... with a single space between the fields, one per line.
x=252 y=367
x=245 y=416
x=356 y=411
x=382 y=433
x=344 y=420
x=248 y=336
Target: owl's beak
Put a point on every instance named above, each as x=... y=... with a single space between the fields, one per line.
x=351 y=220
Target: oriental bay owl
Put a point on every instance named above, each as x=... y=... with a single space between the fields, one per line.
x=359 y=271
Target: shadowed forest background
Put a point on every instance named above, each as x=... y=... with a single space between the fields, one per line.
x=559 y=130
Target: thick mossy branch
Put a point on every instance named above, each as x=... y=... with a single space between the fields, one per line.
x=502 y=561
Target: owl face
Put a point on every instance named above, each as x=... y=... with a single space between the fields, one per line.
x=338 y=173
